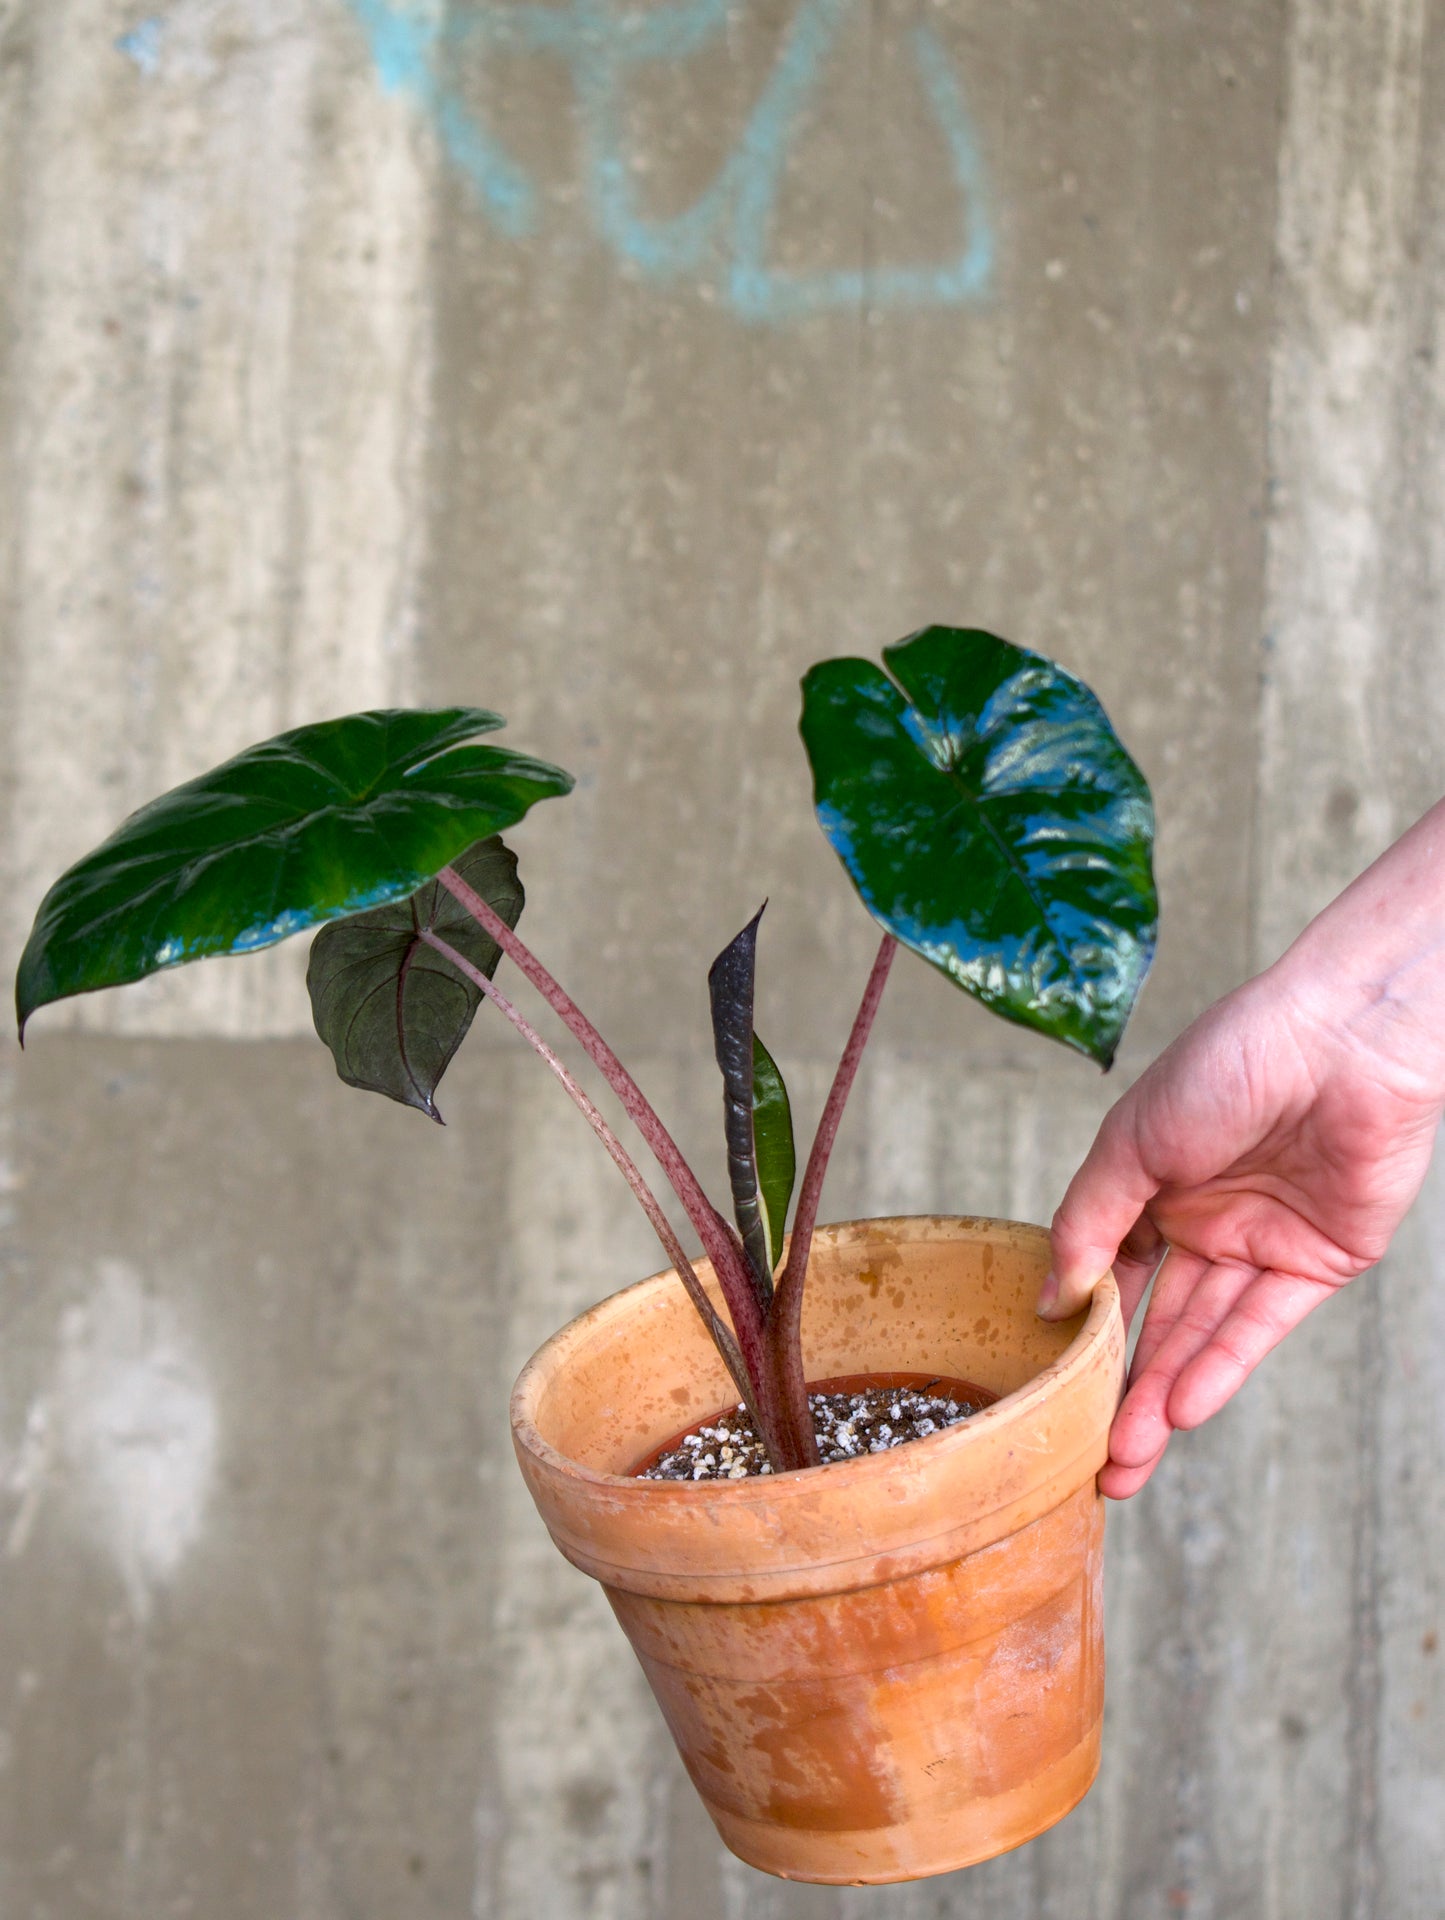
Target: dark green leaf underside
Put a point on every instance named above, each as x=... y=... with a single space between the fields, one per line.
x=777 y=1163
x=991 y=820
x=318 y=823
x=391 y=1009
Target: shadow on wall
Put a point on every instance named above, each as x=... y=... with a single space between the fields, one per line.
x=732 y=220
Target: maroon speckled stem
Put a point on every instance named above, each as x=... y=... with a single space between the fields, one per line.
x=720 y=1243
x=623 y=1161
x=784 y=1328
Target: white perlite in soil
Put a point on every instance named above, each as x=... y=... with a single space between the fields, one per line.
x=847 y=1425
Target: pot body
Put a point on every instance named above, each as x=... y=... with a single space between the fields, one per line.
x=884 y=1668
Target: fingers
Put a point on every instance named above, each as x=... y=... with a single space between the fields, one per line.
x=1174 y=1288
x=1269 y=1309
x=1207 y=1328
x=1136 y=1264
x=1119 y=1483
x=1104 y=1204
x=1192 y=1299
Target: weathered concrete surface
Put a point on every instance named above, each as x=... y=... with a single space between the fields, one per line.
x=620 y=563
x=356 y=351
x=215 y=400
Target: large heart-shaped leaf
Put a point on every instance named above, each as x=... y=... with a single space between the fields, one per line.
x=392 y=1010
x=322 y=821
x=990 y=819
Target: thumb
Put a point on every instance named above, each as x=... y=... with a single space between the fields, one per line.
x=1104 y=1200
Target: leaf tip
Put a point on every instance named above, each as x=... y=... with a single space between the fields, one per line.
x=1104 y=1048
x=24 y=1007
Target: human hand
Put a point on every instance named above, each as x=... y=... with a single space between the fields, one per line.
x=1272 y=1149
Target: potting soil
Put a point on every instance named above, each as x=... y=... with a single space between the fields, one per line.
x=848 y=1425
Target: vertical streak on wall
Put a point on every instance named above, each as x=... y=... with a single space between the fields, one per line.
x=215 y=428
x=1411 y=1479
x=1346 y=653
x=13 y=77
x=1347 y=224
x=575 y=1733
x=1411 y=1560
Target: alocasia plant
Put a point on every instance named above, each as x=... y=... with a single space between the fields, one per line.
x=975 y=793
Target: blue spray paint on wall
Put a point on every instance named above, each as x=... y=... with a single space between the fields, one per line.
x=727 y=232
x=406 y=47
x=143 y=45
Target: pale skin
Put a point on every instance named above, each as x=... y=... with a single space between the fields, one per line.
x=1272 y=1150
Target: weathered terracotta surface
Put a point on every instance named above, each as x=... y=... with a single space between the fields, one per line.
x=884 y=1668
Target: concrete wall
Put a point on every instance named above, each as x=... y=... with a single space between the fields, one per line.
x=606 y=368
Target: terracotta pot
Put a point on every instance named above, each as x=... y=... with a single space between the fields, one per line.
x=884 y=1668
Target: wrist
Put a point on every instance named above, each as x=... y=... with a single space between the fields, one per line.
x=1370 y=970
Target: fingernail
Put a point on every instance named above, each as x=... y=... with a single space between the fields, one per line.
x=1048 y=1296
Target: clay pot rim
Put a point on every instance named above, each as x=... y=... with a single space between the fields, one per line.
x=1092 y=1328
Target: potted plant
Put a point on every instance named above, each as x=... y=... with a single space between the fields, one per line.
x=878 y=1668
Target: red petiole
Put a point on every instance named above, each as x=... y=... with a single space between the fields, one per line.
x=763 y=1351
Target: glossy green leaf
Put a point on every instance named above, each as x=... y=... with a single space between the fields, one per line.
x=391 y=1009
x=991 y=820
x=730 y=995
x=777 y=1161
x=320 y=822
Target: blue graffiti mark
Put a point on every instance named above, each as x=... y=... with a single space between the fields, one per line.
x=143 y=44
x=731 y=222
x=403 y=46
